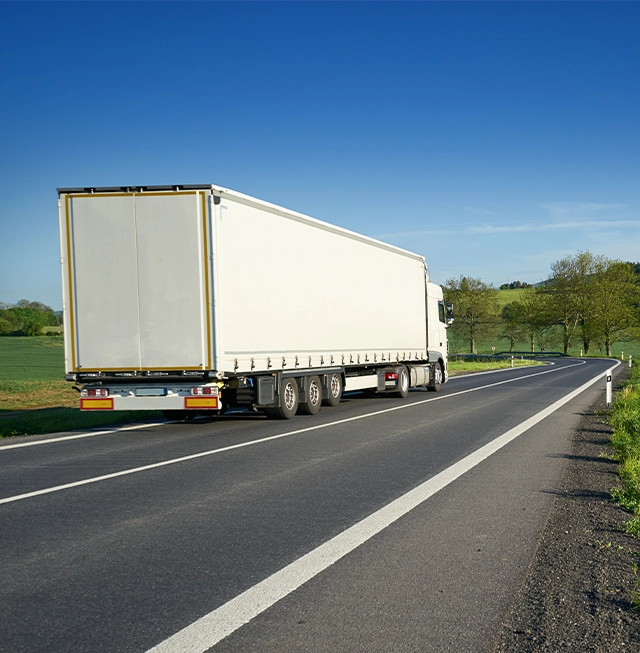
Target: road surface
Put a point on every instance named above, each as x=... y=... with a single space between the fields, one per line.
x=381 y=524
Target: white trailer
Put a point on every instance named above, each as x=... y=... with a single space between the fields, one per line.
x=196 y=298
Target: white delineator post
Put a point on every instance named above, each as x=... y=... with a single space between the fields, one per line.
x=609 y=388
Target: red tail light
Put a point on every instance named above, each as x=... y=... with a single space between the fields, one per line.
x=94 y=392
x=207 y=390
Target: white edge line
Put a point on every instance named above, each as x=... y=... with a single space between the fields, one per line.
x=92 y=434
x=88 y=434
x=207 y=631
x=250 y=443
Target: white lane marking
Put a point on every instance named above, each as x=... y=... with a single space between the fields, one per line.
x=251 y=443
x=218 y=624
x=92 y=434
x=88 y=434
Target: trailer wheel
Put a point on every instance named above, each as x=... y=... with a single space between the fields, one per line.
x=335 y=387
x=436 y=378
x=288 y=401
x=313 y=396
x=403 y=383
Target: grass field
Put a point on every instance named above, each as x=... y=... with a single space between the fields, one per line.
x=58 y=330
x=35 y=398
x=24 y=395
x=460 y=345
x=465 y=366
x=507 y=296
x=40 y=358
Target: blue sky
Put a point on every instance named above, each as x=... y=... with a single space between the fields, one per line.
x=492 y=138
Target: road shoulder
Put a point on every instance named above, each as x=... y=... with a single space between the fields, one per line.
x=576 y=595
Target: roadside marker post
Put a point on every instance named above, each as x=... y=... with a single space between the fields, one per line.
x=609 y=389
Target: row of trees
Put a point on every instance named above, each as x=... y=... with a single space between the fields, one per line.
x=26 y=318
x=515 y=284
x=588 y=297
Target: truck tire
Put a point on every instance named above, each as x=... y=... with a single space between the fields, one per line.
x=288 y=401
x=403 y=383
x=313 y=396
x=436 y=378
x=335 y=388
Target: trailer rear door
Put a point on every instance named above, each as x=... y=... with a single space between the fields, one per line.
x=136 y=274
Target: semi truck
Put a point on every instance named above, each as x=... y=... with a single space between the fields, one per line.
x=195 y=299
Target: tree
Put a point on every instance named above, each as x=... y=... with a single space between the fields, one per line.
x=511 y=327
x=535 y=315
x=568 y=292
x=26 y=316
x=474 y=305
x=613 y=294
x=514 y=284
x=595 y=295
x=31 y=328
x=6 y=327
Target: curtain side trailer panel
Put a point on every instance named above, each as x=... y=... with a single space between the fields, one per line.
x=197 y=298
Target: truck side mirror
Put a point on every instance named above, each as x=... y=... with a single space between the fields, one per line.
x=450 y=317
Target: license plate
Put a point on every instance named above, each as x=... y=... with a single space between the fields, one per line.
x=151 y=392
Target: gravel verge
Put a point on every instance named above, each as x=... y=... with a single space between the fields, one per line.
x=577 y=593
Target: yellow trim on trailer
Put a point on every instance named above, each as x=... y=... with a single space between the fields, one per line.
x=205 y=236
x=74 y=367
x=131 y=193
x=141 y=369
x=68 y=197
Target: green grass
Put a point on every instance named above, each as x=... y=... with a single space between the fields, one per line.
x=21 y=395
x=507 y=296
x=38 y=358
x=461 y=366
x=53 y=330
x=632 y=527
x=625 y=420
x=35 y=398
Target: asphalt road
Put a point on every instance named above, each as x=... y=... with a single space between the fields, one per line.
x=378 y=525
